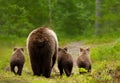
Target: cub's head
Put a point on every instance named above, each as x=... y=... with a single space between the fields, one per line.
x=18 y=49
x=84 y=51
x=62 y=50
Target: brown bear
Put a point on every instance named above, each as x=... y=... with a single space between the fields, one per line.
x=84 y=60
x=65 y=61
x=17 y=60
x=42 y=45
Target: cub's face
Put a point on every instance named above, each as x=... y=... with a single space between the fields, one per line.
x=18 y=49
x=84 y=51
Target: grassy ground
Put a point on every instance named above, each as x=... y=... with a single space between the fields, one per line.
x=105 y=55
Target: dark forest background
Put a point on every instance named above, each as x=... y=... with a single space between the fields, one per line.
x=68 y=18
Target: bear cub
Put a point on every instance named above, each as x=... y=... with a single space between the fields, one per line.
x=17 y=60
x=65 y=61
x=83 y=60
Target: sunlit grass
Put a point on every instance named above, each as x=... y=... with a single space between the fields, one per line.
x=105 y=51
x=104 y=72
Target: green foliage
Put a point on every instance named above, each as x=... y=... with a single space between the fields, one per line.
x=106 y=71
x=110 y=17
x=14 y=21
x=82 y=70
x=72 y=18
x=107 y=51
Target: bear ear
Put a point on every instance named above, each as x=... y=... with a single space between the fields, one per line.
x=88 y=49
x=22 y=49
x=81 y=49
x=14 y=49
x=66 y=49
x=59 y=49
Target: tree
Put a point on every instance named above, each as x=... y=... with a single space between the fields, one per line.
x=98 y=16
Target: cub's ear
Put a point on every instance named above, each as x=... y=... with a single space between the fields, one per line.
x=14 y=49
x=81 y=49
x=22 y=49
x=59 y=49
x=88 y=49
x=66 y=49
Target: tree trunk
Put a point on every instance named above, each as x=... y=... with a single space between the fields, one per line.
x=98 y=16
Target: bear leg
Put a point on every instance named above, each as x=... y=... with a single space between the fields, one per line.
x=20 y=67
x=89 y=69
x=60 y=69
x=13 y=68
x=54 y=59
x=47 y=72
x=47 y=67
x=68 y=70
x=36 y=70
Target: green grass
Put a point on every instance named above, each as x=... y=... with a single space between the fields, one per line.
x=106 y=51
x=105 y=55
x=105 y=72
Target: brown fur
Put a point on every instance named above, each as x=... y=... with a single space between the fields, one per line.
x=42 y=49
x=17 y=60
x=65 y=61
x=83 y=60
